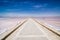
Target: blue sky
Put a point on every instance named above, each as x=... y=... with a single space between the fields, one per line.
x=29 y=7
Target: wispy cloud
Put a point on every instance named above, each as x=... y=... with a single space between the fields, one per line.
x=40 y=5
x=37 y=6
x=13 y=10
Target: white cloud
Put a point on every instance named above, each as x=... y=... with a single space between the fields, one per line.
x=14 y=10
x=37 y=6
x=40 y=5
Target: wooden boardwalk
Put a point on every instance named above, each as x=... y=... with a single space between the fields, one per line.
x=31 y=29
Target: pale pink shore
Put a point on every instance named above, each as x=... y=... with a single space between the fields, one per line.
x=7 y=23
x=53 y=21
